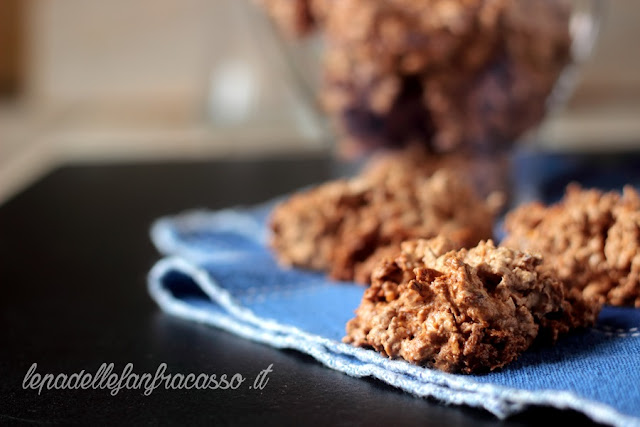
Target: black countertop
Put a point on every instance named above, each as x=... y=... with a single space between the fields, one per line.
x=74 y=254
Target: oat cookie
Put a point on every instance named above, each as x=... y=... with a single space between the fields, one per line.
x=343 y=226
x=590 y=238
x=463 y=310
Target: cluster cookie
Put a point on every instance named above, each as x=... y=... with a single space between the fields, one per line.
x=345 y=226
x=591 y=239
x=450 y=74
x=463 y=310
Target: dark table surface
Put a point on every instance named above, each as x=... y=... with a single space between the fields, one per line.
x=74 y=254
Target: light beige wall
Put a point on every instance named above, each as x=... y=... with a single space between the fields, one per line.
x=616 y=60
x=163 y=57
x=117 y=49
x=153 y=48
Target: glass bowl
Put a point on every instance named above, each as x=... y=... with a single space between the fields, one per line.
x=373 y=98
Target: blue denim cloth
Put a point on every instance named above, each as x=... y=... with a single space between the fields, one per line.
x=219 y=271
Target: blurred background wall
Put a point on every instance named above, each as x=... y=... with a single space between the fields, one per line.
x=95 y=80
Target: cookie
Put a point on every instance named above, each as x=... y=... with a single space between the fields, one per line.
x=342 y=227
x=590 y=238
x=463 y=310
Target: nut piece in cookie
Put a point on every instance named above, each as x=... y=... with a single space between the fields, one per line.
x=343 y=227
x=461 y=310
x=590 y=238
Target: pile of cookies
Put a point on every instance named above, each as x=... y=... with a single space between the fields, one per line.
x=457 y=75
x=440 y=293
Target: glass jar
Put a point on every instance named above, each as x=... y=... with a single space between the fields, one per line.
x=471 y=78
x=463 y=79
